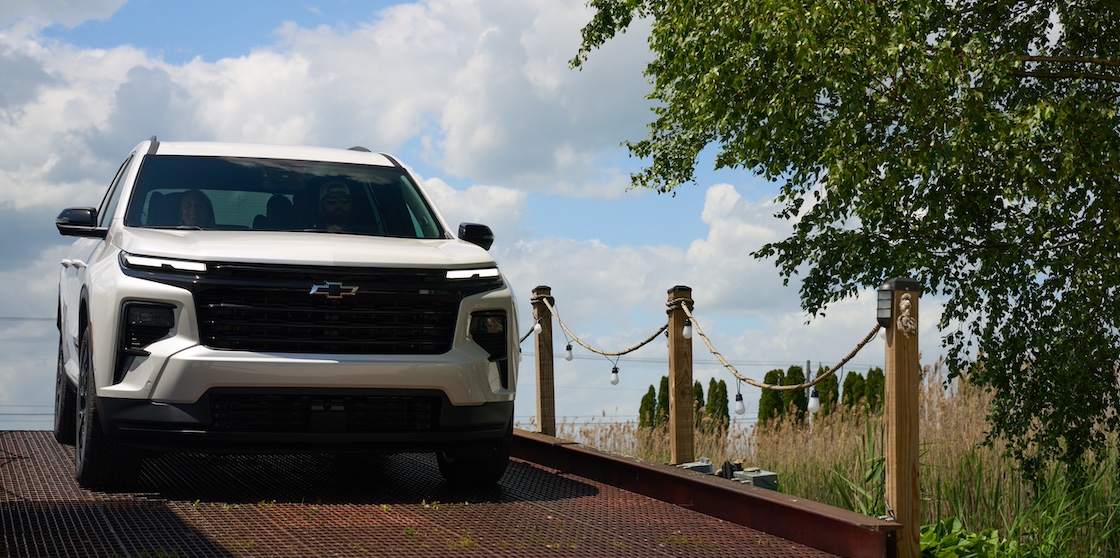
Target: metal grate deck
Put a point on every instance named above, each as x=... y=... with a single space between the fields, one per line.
x=324 y=505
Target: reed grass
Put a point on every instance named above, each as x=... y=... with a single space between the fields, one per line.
x=838 y=460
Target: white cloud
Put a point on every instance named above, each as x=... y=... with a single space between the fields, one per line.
x=501 y=209
x=725 y=271
x=69 y=13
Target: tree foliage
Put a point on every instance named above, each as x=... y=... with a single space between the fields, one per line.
x=828 y=392
x=874 y=389
x=717 y=410
x=663 y=401
x=854 y=390
x=698 y=403
x=647 y=411
x=969 y=144
x=770 y=402
x=795 y=401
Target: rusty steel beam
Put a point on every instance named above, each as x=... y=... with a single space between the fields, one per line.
x=827 y=528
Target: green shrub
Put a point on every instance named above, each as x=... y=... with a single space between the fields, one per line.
x=948 y=539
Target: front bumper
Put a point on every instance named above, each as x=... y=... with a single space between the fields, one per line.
x=294 y=420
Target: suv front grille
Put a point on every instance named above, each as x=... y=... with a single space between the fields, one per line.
x=272 y=309
x=235 y=412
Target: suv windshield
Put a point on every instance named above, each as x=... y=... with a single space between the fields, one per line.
x=236 y=193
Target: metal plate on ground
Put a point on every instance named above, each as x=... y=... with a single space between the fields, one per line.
x=341 y=505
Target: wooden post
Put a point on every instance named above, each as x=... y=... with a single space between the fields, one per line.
x=681 y=422
x=901 y=409
x=546 y=381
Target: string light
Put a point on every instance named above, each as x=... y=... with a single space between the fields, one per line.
x=537 y=327
x=814 y=401
x=687 y=331
x=740 y=407
x=614 y=376
x=568 y=356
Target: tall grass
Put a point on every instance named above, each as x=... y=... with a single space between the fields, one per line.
x=838 y=460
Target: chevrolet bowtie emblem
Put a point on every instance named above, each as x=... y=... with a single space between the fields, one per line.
x=333 y=290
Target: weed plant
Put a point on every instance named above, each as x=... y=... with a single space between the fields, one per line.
x=838 y=460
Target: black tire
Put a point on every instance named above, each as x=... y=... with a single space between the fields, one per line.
x=64 y=396
x=99 y=463
x=476 y=467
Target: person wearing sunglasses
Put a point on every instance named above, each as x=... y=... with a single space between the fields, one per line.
x=334 y=206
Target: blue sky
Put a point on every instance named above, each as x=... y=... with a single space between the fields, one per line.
x=475 y=95
x=210 y=29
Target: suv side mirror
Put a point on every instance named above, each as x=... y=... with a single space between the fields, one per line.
x=79 y=221
x=476 y=234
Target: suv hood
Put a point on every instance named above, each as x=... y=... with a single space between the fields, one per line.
x=301 y=248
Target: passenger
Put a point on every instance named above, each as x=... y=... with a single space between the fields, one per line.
x=195 y=210
x=335 y=205
x=280 y=213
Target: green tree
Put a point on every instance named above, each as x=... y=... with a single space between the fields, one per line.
x=698 y=403
x=713 y=401
x=795 y=401
x=770 y=402
x=970 y=144
x=828 y=392
x=647 y=411
x=874 y=389
x=853 y=390
x=663 y=401
x=717 y=405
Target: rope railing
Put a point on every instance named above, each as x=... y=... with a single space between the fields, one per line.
x=530 y=332
x=699 y=331
x=573 y=337
x=707 y=341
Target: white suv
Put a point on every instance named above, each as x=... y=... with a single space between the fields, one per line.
x=252 y=298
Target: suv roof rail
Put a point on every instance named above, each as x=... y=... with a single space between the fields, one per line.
x=154 y=145
x=359 y=148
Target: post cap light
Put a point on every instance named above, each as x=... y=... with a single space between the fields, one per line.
x=884 y=307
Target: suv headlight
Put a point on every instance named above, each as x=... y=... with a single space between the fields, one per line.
x=475 y=280
x=134 y=261
x=482 y=273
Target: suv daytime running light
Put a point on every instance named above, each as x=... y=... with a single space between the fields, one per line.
x=160 y=263
x=472 y=273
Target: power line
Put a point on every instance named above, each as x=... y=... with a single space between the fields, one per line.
x=711 y=362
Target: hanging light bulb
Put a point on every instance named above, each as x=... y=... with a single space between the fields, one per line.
x=740 y=407
x=537 y=327
x=814 y=401
x=687 y=331
x=614 y=376
x=568 y=353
